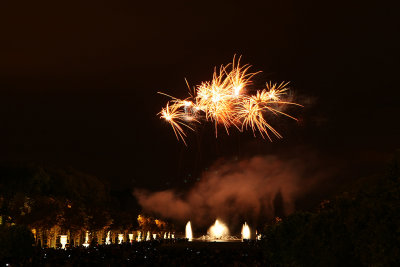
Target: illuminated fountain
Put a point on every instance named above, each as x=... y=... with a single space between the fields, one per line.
x=120 y=238
x=188 y=231
x=108 y=241
x=63 y=241
x=130 y=238
x=218 y=230
x=245 y=232
x=148 y=236
x=86 y=244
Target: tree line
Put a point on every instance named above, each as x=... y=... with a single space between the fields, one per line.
x=43 y=197
x=360 y=227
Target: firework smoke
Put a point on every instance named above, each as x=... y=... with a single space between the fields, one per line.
x=239 y=190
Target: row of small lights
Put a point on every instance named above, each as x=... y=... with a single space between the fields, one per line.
x=64 y=238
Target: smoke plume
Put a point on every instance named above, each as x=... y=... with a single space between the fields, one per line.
x=261 y=186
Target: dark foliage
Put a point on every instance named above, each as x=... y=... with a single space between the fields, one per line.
x=41 y=197
x=360 y=228
x=155 y=253
x=16 y=242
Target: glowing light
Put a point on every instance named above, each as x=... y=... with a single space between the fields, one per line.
x=245 y=231
x=218 y=230
x=224 y=101
x=63 y=241
x=154 y=236
x=188 y=231
x=130 y=238
x=108 y=241
x=258 y=236
x=120 y=238
x=148 y=236
x=86 y=244
x=187 y=103
x=165 y=235
x=139 y=237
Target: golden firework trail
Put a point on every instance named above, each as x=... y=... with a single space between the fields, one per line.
x=225 y=101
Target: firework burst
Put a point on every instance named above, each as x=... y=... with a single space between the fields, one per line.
x=225 y=101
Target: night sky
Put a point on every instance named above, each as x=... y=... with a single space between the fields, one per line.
x=79 y=82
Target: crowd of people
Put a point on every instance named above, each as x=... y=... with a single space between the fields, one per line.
x=151 y=253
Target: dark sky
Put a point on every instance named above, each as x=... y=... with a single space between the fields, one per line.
x=79 y=81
